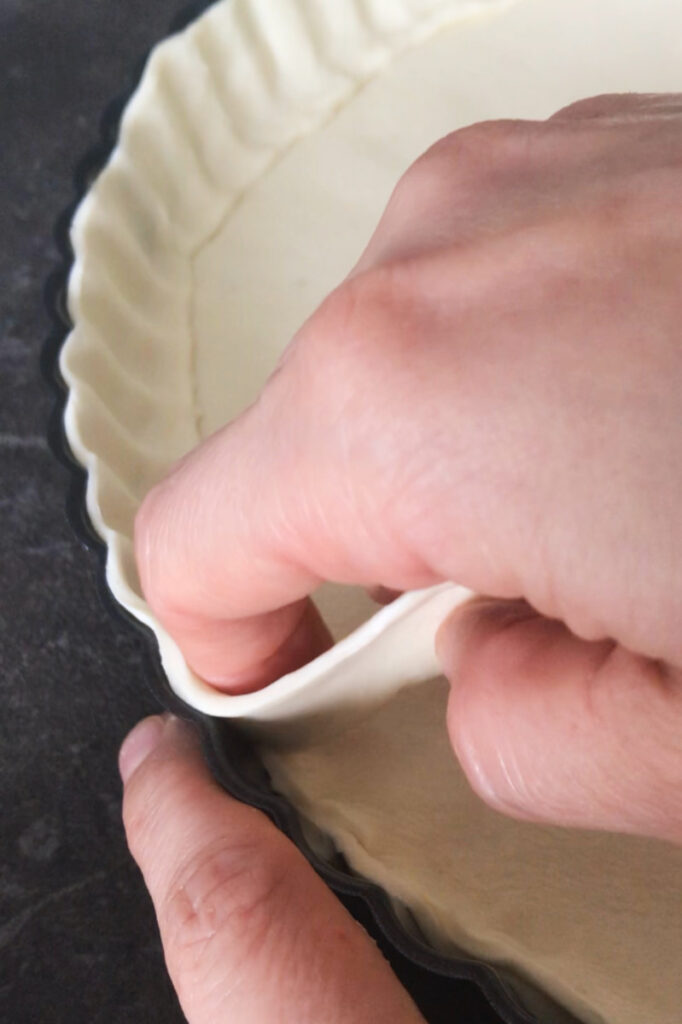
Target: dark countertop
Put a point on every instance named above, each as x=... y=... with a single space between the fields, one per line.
x=78 y=942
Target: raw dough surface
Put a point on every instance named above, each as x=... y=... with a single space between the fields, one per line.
x=595 y=919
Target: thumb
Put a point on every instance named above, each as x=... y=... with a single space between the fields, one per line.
x=250 y=932
x=552 y=728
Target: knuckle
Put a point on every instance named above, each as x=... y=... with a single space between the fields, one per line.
x=426 y=182
x=349 y=333
x=480 y=147
x=376 y=301
x=591 y=106
x=230 y=892
x=461 y=166
x=486 y=135
x=607 y=104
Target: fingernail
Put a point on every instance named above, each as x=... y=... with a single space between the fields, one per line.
x=471 y=623
x=138 y=745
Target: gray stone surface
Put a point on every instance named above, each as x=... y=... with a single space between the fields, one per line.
x=77 y=938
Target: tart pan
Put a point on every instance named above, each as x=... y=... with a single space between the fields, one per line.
x=446 y=989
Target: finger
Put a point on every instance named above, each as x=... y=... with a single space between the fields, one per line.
x=250 y=932
x=230 y=546
x=552 y=728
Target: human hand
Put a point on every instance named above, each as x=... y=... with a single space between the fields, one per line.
x=493 y=396
x=250 y=932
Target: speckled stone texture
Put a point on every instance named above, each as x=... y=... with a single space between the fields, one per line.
x=78 y=942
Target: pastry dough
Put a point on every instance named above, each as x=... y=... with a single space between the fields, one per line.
x=594 y=919
x=253 y=162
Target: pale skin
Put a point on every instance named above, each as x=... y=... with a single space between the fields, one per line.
x=493 y=396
